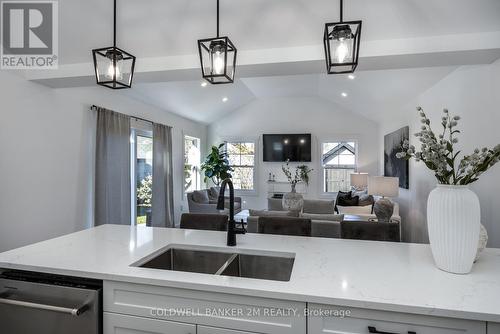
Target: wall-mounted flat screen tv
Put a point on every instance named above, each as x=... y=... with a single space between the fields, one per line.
x=281 y=147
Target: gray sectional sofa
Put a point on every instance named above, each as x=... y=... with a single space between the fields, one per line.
x=324 y=222
x=205 y=201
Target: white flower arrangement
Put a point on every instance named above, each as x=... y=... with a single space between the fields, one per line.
x=439 y=155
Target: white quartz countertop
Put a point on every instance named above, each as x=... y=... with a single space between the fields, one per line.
x=377 y=275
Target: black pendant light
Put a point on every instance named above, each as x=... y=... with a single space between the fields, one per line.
x=341 y=40
x=217 y=58
x=114 y=68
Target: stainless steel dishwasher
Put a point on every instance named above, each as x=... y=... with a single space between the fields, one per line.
x=34 y=303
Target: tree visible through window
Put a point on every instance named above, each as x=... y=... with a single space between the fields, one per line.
x=241 y=157
x=192 y=156
x=339 y=162
x=144 y=178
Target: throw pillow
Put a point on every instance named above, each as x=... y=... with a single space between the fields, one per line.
x=213 y=193
x=201 y=196
x=318 y=207
x=265 y=213
x=352 y=201
x=366 y=200
x=342 y=194
x=329 y=217
x=355 y=210
x=359 y=193
x=274 y=204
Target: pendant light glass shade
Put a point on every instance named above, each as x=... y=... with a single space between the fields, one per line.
x=217 y=58
x=114 y=67
x=341 y=41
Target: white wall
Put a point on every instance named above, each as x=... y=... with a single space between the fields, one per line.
x=46 y=157
x=473 y=93
x=323 y=119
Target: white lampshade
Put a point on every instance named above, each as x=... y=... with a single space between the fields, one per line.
x=359 y=180
x=383 y=186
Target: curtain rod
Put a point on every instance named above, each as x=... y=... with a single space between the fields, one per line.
x=94 y=107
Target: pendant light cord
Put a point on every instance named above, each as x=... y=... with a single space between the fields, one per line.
x=217 y=18
x=341 y=11
x=114 y=23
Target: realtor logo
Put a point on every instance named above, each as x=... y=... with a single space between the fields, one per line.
x=29 y=35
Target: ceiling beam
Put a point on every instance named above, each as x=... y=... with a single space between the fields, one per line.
x=446 y=50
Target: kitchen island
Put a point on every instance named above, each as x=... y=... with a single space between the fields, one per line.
x=336 y=286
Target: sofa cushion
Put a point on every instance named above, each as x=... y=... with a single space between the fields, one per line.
x=266 y=213
x=275 y=204
x=355 y=210
x=329 y=217
x=213 y=193
x=318 y=206
x=201 y=196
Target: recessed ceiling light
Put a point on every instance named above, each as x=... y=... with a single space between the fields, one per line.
x=224 y=99
x=344 y=94
x=204 y=84
x=351 y=76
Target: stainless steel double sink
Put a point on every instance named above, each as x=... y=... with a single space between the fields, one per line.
x=259 y=265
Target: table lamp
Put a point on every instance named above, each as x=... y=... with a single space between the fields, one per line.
x=385 y=187
x=359 y=181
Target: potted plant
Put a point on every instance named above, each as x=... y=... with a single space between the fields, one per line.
x=292 y=200
x=453 y=211
x=216 y=165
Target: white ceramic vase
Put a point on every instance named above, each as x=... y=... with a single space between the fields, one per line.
x=453 y=219
x=293 y=201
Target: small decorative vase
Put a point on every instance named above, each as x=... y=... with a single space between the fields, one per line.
x=453 y=219
x=293 y=201
x=483 y=241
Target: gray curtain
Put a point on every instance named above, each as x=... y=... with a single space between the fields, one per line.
x=112 y=175
x=163 y=192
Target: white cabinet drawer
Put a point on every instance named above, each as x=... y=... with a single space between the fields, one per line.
x=214 y=330
x=204 y=308
x=359 y=321
x=126 y=324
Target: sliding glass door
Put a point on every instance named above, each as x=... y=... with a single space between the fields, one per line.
x=141 y=174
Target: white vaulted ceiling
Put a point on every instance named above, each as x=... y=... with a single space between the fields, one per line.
x=154 y=28
x=406 y=47
x=369 y=94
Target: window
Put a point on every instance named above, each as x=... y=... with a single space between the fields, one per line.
x=242 y=159
x=192 y=156
x=141 y=149
x=339 y=162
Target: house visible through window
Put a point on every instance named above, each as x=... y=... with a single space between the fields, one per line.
x=242 y=160
x=339 y=162
x=192 y=156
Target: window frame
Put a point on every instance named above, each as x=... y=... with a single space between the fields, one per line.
x=200 y=175
x=255 y=142
x=321 y=179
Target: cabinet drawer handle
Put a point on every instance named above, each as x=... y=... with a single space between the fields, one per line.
x=374 y=330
